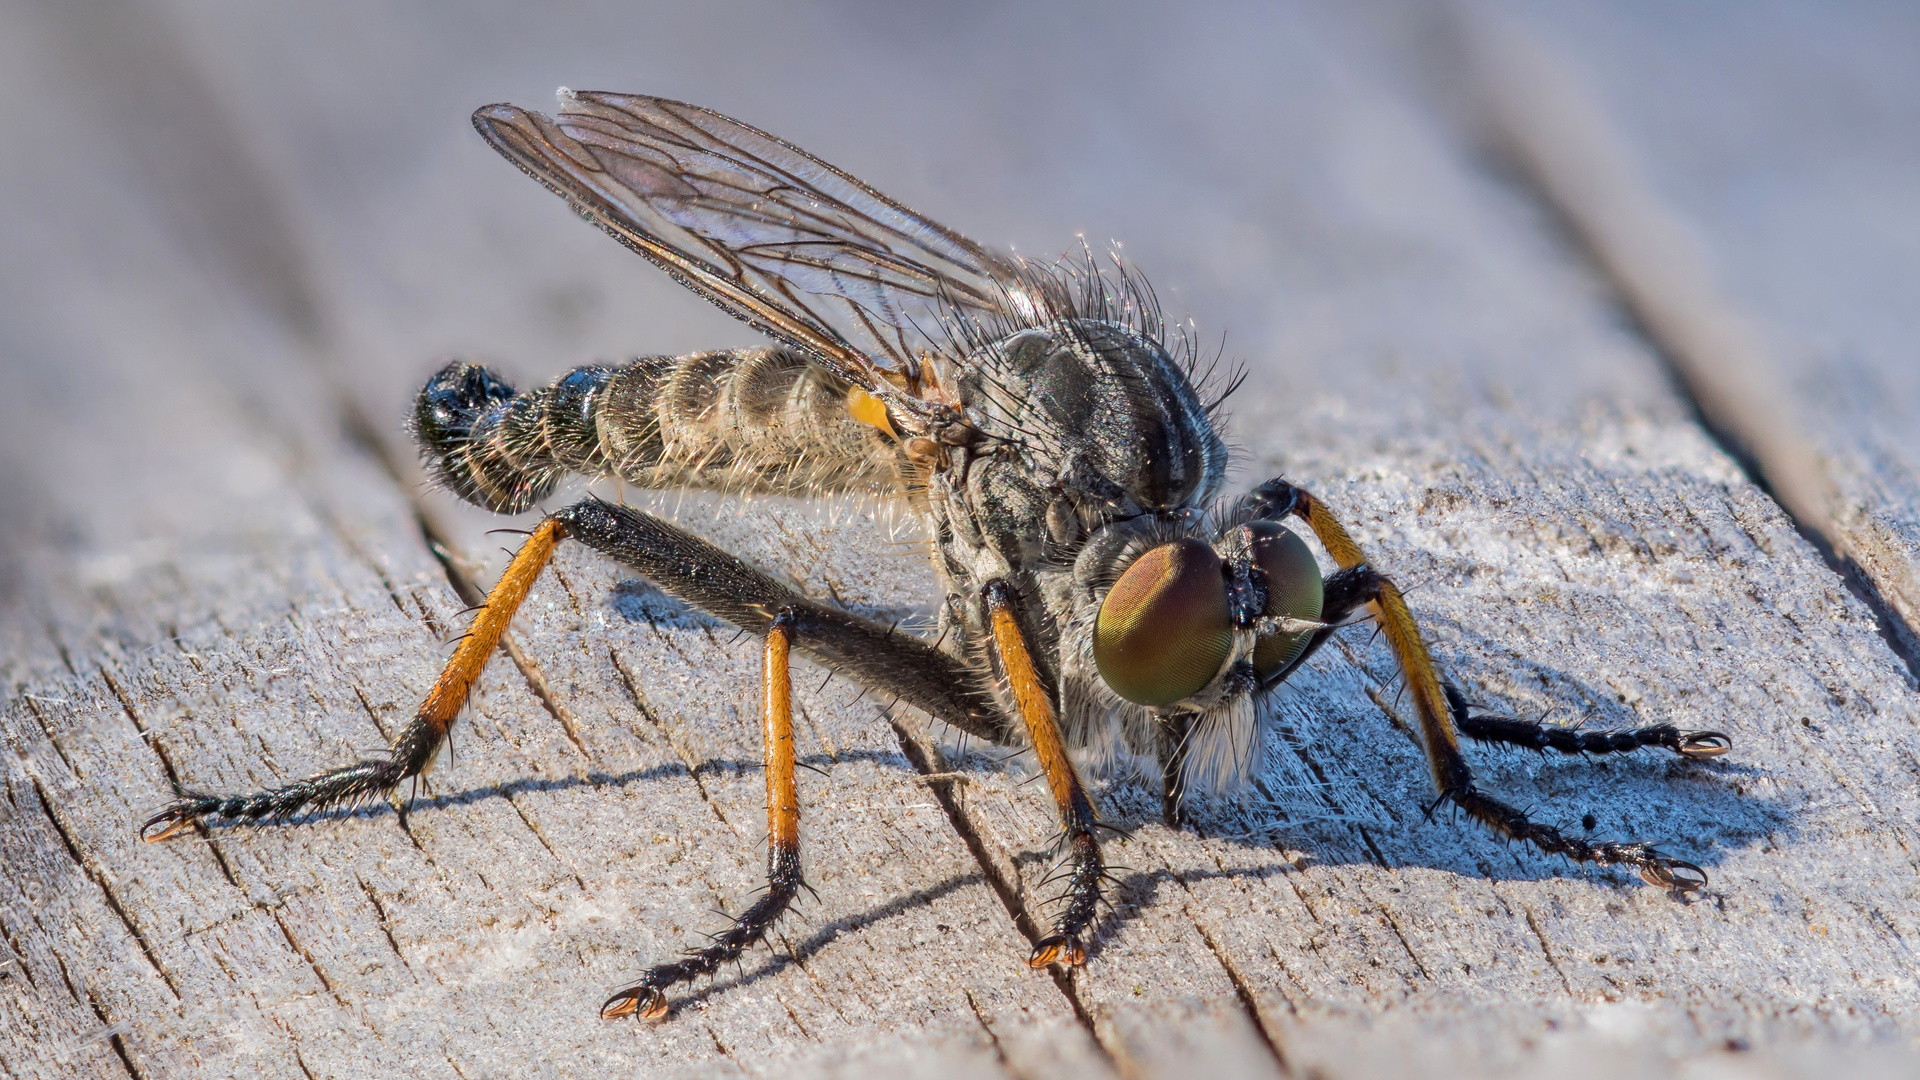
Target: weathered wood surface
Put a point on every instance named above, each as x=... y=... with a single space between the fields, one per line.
x=230 y=233
x=1747 y=178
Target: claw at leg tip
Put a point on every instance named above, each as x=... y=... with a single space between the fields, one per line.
x=1689 y=877
x=173 y=828
x=1058 y=950
x=648 y=1004
x=1701 y=745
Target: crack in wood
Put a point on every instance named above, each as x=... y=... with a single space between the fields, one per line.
x=800 y=955
x=99 y=879
x=993 y=1037
x=795 y=1017
x=12 y=939
x=33 y=707
x=1373 y=850
x=686 y=759
x=339 y=532
x=999 y=868
x=541 y=835
x=293 y=942
x=100 y=1013
x=1533 y=923
x=386 y=926
x=1394 y=925
x=1243 y=990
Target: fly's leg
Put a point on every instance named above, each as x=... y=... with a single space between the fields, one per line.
x=1349 y=590
x=684 y=565
x=1535 y=735
x=1438 y=710
x=726 y=587
x=696 y=571
x=1063 y=945
x=647 y=998
x=1176 y=739
x=414 y=749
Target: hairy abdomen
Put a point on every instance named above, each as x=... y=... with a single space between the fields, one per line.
x=754 y=420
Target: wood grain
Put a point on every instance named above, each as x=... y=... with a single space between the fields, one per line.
x=1746 y=183
x=242 y=238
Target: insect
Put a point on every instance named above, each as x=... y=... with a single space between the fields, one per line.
x=1061 y=456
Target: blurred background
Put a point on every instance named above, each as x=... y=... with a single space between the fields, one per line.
x=235 y=238
x=214 y=206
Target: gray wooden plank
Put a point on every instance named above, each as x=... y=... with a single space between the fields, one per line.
x=1425 y=352
x=1748 y=173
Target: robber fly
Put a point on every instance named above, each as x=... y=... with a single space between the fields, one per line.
x=1036 y=421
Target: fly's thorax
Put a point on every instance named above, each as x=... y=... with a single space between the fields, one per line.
x=987 y=520
x=1099 y=412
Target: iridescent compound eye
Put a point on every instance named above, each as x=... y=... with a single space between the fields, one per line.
x=1293 y=591
x=1164 y=628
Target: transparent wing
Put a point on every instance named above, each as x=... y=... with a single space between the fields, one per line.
x=773 y=235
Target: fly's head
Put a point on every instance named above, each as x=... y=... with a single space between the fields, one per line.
x=1183 y=616
x=1183 y=623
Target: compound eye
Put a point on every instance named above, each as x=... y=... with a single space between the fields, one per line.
x=1293 y=591
x=1164 y=629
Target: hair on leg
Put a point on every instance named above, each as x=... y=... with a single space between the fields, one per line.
x=1537 y=735
x=1063 y=945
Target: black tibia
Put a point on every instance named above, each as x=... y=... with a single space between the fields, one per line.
x=348 y=785
x=726 y=587
x=1655 y=868
x=648 y=998
x=1176 y=735
x=1534 y=735
x=748 y=420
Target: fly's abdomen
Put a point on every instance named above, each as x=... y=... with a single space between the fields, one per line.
x=755 y=420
